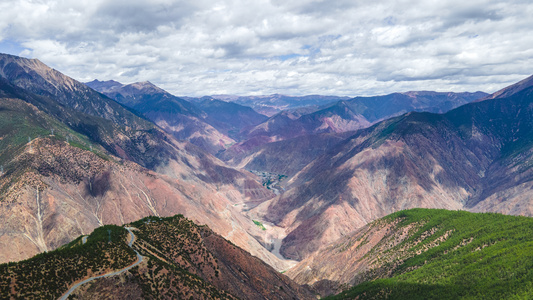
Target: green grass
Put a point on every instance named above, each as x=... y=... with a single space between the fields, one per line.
x=496 y=264
x=259 y=224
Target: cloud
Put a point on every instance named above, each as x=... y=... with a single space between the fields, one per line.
x=292 y=47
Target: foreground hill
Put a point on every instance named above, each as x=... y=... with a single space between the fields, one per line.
x=477 y=157
x=427 y=254
x=176 y=259
x=69 y=164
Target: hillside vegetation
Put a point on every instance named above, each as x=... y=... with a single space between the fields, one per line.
x=48 y=275
x=452 y=255
x=180 y=260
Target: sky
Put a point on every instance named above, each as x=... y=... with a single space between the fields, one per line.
x=259 y=47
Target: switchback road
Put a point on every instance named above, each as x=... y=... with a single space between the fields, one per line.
x=139 y=260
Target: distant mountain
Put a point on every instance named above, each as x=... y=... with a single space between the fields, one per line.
x=478 y=157
x=104 y=87
x=359 y=112
x=169 y=258
x=286 y=157
x=426 y=254
x=210 y=124
x=270 y=105
x=229 y=118
x=341 y=116
x=72 y=159
x=176 y=116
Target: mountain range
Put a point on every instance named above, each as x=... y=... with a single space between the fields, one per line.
x=264 y=141
x=73 y=159
x=270 y=105
x=210 y=124
x=318 y=188
x=242 y=137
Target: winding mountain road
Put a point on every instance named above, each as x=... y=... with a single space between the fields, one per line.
x=139 y=260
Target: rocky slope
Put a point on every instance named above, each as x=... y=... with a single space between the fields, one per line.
x=475 y=157
x=176 y=116
x=178 y=259
x=64 y=172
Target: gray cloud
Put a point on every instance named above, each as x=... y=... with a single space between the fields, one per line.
x=292 y=47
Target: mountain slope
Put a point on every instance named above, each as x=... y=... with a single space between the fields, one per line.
x=510 y=90
x=64 y=172
x=427 y=254
x=475 y=157
x=106 y=122
x=176 y=116
x=285 y=157
x=35 y=77
x=204 y=265
x=229 y=118
x=361 y=112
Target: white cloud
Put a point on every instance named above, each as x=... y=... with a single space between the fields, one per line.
x=293 y=47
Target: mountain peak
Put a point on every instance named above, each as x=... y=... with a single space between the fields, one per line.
x=104 y=86
x=511 y=90
x=12 y=67
x=146 y=86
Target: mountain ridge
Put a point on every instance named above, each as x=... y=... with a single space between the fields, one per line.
x=203 y=266
x=425 y=253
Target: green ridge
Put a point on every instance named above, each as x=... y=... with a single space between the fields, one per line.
x=486 y=256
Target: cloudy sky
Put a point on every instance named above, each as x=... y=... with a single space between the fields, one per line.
x=296 y=47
